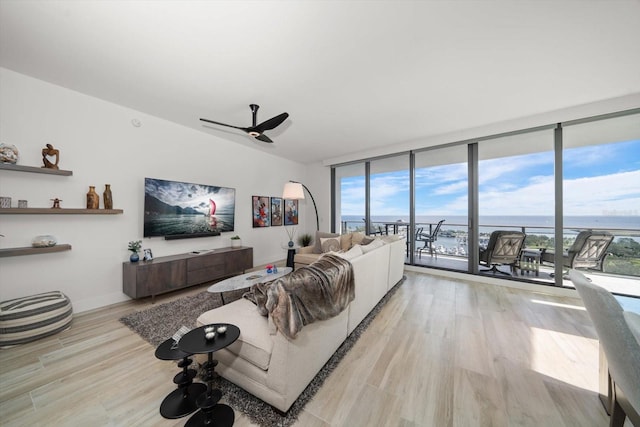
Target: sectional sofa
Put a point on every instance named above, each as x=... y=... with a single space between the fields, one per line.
x=276 y=369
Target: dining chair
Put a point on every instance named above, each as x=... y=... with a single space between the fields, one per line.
x=620 y=346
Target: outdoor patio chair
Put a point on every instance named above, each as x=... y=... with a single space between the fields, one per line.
x=620 y=346
x=428 y=240
x=503 y=249
x=415 y=236
x=374 y=230
x=588 y=251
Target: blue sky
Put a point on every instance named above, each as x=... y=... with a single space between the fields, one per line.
x=598 y=180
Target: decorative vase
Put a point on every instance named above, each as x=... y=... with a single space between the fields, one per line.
x=134 y=257
x=107 y=198
x=290 y=243
x=93 y=200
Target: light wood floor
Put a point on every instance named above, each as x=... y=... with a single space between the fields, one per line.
x=441 y=353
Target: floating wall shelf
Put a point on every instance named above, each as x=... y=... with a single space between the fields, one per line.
x=33 y=251
x=59 y=211
x=33 y=169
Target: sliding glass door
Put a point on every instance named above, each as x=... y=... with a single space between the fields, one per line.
x=516 y=193
x=441 y=188
x=389 y=195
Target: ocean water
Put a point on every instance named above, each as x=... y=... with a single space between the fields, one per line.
x=614 y=222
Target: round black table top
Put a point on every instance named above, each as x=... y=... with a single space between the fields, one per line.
x=168 y=351
x=195 y=342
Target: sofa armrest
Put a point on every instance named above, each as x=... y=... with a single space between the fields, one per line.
x=306 y=250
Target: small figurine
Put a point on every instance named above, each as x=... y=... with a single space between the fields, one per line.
x=56 y=203
x=50 y=152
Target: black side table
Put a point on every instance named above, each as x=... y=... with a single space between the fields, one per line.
x=211 y=412
x=291 y=253
x=181 y=401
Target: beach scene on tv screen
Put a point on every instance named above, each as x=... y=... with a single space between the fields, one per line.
x=182 y=208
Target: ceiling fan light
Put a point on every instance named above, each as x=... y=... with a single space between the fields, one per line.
x=254 y=134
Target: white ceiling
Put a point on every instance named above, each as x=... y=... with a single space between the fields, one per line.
x=353 y=75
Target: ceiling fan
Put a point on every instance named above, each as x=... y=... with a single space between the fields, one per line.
x=257 y=130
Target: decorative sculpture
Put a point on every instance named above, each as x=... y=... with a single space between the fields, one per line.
x=47 y=152
x=56 y=203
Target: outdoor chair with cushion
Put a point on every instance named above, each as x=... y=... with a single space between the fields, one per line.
x=588 y=251
x=503 y=249
x=620 y=347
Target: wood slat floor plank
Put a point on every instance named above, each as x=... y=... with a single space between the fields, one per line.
x=442 y=352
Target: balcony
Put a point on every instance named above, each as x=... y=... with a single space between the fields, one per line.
x=621 y=273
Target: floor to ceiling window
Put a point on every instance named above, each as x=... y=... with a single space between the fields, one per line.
x=601 y=195
x=441 y=187
x=389 y=195
x=551 y=183
x=350 y=197
x=516 y=193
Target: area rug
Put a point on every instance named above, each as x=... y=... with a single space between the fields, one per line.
x=158 y=323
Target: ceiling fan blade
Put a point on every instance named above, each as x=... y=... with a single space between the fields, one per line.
x=271 y=123
x=264 y=138
x=223 y=124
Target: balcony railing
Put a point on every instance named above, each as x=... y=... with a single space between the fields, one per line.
x=623 y=258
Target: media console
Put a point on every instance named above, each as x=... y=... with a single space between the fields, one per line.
x=165 y=274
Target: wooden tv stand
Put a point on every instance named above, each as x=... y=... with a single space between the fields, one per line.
x=165 y=274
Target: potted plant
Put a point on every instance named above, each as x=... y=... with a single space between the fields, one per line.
x=305 y=239
x=134 y=247
x=236 y=242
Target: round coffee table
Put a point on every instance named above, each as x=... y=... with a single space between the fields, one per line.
x=211 y=412
x=246 y=281
x=182 y=401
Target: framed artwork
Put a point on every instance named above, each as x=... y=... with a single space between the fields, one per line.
x=276 y=211
x=260 y=211
x=148 y=255
x=290 y=212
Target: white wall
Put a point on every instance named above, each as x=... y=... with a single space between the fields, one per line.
x=98 y=142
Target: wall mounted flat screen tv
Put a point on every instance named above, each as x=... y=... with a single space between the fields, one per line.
x=179 y=210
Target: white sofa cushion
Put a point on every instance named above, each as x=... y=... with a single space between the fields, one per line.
x=352 y=253
x=377 y=243
x=255 y=343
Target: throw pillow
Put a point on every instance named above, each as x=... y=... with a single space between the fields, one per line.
x=356 y=238
x=366 y=240
x=352 y=253
x=390 y=238
x=376 y=243
x=317 y=245
x=345 y=241
x=330 y=244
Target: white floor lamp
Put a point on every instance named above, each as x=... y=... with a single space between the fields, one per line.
x=293 y=190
